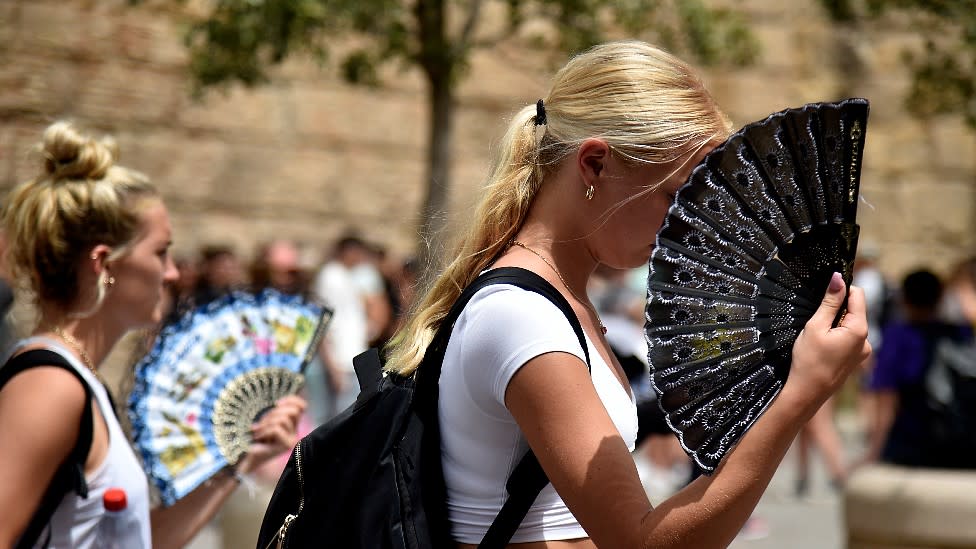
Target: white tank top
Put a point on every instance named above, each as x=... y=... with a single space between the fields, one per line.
x=74 y=524
x=501 y=329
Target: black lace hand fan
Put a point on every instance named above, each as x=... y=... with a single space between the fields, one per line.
x=742 y=261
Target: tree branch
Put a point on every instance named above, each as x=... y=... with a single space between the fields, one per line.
x=470 y=22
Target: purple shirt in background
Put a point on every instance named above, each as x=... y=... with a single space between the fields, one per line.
x=905 y=353
x=902 y=359
x=901 y=366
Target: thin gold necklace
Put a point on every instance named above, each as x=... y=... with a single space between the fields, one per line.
x=585 y=303
x=76 y=345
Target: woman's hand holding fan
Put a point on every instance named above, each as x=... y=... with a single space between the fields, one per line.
x=820 y=344
x=275 y=432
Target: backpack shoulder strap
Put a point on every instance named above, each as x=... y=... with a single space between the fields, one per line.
x=429 y=372
x=70 y=475
x=528 y=477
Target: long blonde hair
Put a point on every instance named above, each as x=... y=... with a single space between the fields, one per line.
x=79 y=199
x=648 y=105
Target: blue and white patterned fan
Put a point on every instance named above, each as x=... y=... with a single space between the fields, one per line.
x=210 y=375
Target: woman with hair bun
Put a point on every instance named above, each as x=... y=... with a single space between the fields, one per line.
x=90 y=241
x=585 y=177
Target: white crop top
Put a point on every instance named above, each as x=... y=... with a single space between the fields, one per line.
x=501 y=329
x=74 y=524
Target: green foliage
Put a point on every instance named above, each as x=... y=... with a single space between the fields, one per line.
x=687 y=27
x=238 y=40
x=241 y=40
x=944 y=71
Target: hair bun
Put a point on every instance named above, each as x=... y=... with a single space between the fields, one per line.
x=70 y=154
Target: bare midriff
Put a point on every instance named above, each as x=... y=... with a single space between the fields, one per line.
x=581 y=543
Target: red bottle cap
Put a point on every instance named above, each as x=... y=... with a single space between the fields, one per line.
x=114 y=499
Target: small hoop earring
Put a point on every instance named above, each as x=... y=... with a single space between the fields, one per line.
x=589 y=193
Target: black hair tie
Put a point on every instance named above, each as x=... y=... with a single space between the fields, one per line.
x=540 y=113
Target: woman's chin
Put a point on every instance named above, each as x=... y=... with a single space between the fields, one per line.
x=634 y=261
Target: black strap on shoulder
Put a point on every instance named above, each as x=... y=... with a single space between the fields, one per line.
x=70 y=475
x=528 y=477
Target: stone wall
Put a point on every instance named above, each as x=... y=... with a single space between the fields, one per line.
x=890 y=507
x=308 y=156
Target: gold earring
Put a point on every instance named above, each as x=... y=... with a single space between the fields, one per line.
x=589 y=193
x=110 y=281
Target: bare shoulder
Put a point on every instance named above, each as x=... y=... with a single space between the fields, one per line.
x=44 y=401
x=40 y=415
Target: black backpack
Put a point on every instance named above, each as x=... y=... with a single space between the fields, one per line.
x=950 y=392
x=70 y=475
x=371 y=478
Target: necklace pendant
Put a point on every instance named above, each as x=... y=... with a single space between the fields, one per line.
x=603 y=329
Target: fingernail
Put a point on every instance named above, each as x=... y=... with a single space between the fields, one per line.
x=836 y=282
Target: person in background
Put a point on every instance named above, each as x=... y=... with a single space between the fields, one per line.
x=220 y=273
x=189 y=277
x=821 y=432
x=584 y=177
x=91 y=240
x=404 y=275
x=277 y=265
x=375 y=286
x=349 y=285
x=900 y=433
x=959 y=303
x=882 y=305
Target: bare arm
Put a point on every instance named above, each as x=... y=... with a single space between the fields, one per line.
x=40 y=413
x=553 y=400
x=175 y=526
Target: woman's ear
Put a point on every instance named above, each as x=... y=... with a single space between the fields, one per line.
x=99 y=258
x=591 y=160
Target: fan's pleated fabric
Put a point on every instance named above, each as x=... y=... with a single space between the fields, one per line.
x=209 y=375
x=742 y=261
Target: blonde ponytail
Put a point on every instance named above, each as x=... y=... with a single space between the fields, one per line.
x=512 y=183
x=645 y=103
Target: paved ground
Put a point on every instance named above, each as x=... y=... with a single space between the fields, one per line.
x=813 y=522
x=782 y=520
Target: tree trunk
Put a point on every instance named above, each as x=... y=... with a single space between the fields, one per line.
x=437 y=59
x=431 y=246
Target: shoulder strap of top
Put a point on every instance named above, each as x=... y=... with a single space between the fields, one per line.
x=70 y=475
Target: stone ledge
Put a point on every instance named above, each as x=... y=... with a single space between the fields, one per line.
x=887 y=507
